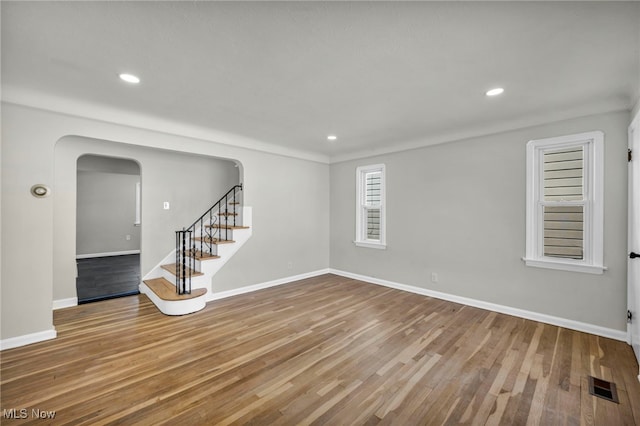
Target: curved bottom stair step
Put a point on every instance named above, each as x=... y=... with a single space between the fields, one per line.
x=164 y=296
x=167 y=291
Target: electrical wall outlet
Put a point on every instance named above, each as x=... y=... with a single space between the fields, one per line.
x=166 y=205
x=290 y=265
x=127 y=237
x=434 y=277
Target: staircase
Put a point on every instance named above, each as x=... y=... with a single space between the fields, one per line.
x=181 y=283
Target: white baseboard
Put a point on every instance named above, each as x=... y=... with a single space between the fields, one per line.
x=65 y=303
x=521 y=313
x=260 y=286
x=107 y=254
x=27 y=339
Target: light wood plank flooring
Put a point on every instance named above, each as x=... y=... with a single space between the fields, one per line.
x=326 y=350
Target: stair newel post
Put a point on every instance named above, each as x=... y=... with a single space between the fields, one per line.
x=202 y=236
x=226 y=216
x=182 y=266
x=178 y=260
x=192 y=265
x=193 y=250
x=212 y=231
x=234 y=206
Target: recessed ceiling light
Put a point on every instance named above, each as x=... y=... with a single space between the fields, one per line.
x=332 y=137
x=495 y=92
x=130 y=78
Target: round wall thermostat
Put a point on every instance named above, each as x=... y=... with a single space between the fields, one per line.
x=40 y=190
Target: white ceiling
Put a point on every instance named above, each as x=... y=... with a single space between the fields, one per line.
x=381 y=75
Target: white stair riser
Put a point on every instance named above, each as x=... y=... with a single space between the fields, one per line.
x=199 y=281
x=202 y=265
x=216 y=234
x=208 y=267
x=205 y=249
x=223 y=234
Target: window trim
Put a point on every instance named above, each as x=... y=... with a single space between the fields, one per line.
x=593 y=172
x=361 y=239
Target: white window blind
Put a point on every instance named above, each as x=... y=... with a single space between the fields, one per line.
x=373 y=189
x=370 y=206
x=563 y=204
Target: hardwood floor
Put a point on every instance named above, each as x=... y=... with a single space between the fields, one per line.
x=326 y=350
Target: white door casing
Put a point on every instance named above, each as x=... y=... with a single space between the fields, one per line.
x=633 y=265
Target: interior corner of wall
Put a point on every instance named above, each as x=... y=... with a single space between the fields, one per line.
x=635 y=112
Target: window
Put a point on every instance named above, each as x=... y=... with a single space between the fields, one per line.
x=370 y=206
x=565 y=203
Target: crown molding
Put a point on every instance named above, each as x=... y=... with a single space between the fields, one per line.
x=112 y=115
x=102 y=113
x=487 y=130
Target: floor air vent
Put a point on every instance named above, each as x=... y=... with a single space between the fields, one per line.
x=603 y=389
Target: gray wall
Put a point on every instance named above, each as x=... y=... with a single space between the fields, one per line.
x=280 y=189
x=106 y=205
x=290 y=201
x=458 y=209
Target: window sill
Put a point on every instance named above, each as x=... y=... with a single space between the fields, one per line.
x=378 y=246
x=564 y=266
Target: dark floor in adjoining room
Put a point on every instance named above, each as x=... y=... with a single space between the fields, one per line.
x=102 y=278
